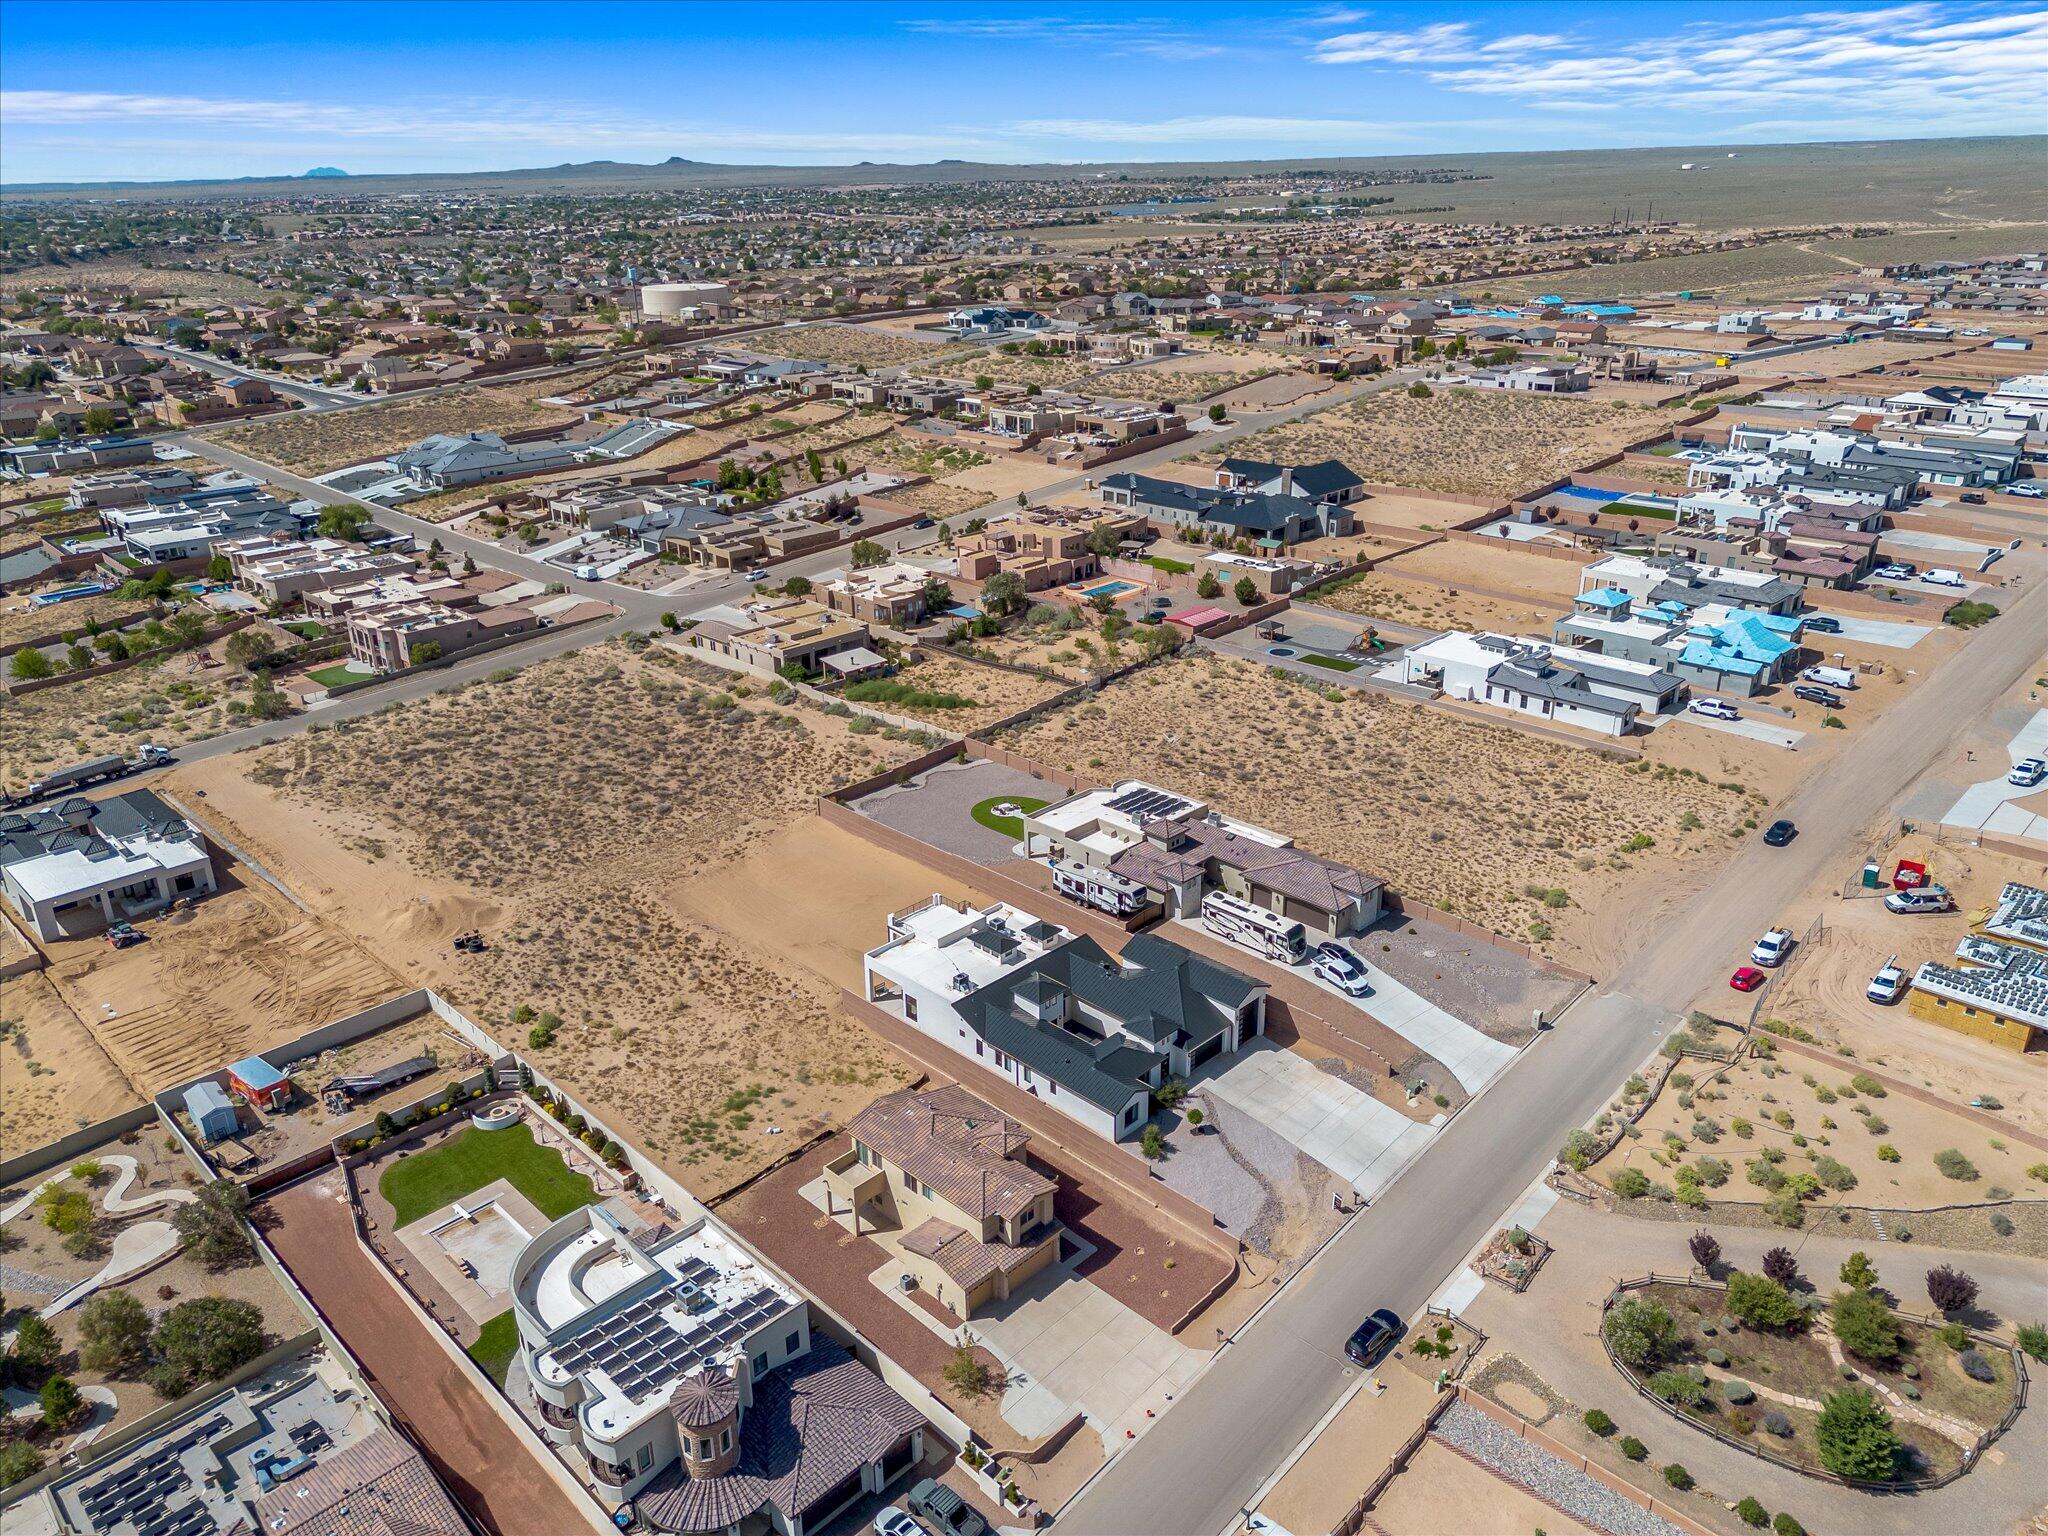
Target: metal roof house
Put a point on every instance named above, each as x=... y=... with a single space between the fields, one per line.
x=1275 y=521
x=1056 y=1014
x=74 y=868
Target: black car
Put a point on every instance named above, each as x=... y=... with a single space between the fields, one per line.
x=1824 y=624
x=1374 y=1337
x=1779 y=833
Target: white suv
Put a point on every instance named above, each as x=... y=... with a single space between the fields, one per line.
x=2026 y=773
x=1773 y=947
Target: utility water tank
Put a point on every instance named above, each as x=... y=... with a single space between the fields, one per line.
x=667 y=301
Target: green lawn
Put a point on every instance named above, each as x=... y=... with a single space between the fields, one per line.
x=1636 y=509
x=307 y=629
x=339 y=675
x=1329 y=663
x=1171 y=567
x=498 y=1343
x=421 y=1184
x=1009 y=826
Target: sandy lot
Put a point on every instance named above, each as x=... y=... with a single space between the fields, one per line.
x=1005 y=478
x=240 y=972
x=54 y=1076
x=1413 y=795
x=851 y=345
x=1477 y=442
x=937 y=499
x=177 y=698
x=1837 y=1127
x=311 y=443
x=21 y=620
x=996 y=694
x=583 y=816
x=1503 y=568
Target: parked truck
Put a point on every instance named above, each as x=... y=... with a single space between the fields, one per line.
x=93 y=771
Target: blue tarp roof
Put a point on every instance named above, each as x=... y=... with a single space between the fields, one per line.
x=1701 y=654
x=1605 y=597
x=964 y=611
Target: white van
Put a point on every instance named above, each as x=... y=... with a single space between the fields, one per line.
x=1832 y=677
x=1942 y=578
x=1275 y=937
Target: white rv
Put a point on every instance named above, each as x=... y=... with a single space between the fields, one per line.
x=1098 y=888
x=1275 y=937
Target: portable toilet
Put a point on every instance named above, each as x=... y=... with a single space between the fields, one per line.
x=1873 y=875
x=212 y=1111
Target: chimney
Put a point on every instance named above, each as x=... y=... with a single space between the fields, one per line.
x=1286 y=480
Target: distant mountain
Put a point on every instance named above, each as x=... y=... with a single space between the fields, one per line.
x=323 y=170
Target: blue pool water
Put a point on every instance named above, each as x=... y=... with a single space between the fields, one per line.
x=1110 y=589
x=1588 y=493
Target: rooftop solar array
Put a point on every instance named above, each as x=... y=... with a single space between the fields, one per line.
x=1149 y=802
x=137 y=1500
x=642 y=1351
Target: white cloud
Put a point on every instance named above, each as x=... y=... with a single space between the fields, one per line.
x=1207 y=130
x=1904 y=69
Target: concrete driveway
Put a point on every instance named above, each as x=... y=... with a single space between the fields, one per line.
x=1068 y=1344
x=1768 y=731
x=1361 y=1140
x=1988 y=807
x=1876 y=632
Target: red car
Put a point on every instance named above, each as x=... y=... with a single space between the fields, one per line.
x=1747 y=978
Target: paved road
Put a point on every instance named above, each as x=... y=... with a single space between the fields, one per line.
x=1192 y=1474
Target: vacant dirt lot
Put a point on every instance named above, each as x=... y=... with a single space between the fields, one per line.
x=996 y=694
x=582 y=816
x=1412 y=794
x=20 y=620
x=1475 y=442
x=177 y=698
x=240 y=972
x=851 y=345
x=313 y=442
x=54 y=1077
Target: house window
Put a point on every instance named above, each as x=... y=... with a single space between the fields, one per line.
x=789 y=1344
x=909 y=1006
x=977 y=1048
x=645 y=1459
x=1002 y=1061
x=1130 y=1114
x=760 y=1366
x=724 y=1441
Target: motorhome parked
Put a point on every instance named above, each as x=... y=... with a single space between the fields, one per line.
x=1275 y=937
x=1098 y=888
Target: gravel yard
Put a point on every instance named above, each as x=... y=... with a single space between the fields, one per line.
x=936 y=807
x=1469 y=1430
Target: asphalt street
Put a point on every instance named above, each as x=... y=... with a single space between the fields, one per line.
x=1192 y=1474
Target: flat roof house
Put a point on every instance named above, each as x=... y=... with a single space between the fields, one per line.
x=1044 y=554
x=1180 y=850
x=945 y=1175
x=893 y=594
x=1054 y=1013
x=74 y=868
x=1688 y=584
x=775 y=632
x=1608 y=695
x=689 y=1378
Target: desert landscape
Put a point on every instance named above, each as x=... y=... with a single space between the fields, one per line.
x=1488 y=443
x=55 y=1078
x=851 y=346
x=527 y=810
x=1581 y=857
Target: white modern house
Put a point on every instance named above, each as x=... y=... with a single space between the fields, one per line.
x=1608 y=695
x=1057 y=1015
x=689 y=1377
x=76 y=867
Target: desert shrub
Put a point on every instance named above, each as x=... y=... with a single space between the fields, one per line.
x=1633 y=1448
x=1631 y=1183
x=1717 y=1355
x=1867 y=1085
x=1749 y=1512
x=1954 y=1165
x=1761 y=1302
x=1712 y=1171
x=113 y=1331
x=1776 y=1423
x=1975 y=1366
x=967 y=1374
x=2002 y=1224
x=1580 y=1148
x=1833 y=1174
x=1738 y=1391
x=1855 y=1436
x=1783 y=1524
x=1678 y=1477
x=1954 y=1335
x=1639 y=1331
x=1598 y=1421
x=1865 y=1326
x=1677 y=1387
x=2033 y=1340
x=1784 y=1209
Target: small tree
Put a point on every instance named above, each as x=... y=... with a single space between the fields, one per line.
x=248 y=645
x=220 y=568
x=1246 y=591
x=30 y=665
x=1750 y=1512
x=344 y=522
x=1950 y=1289
x=1858 y=1272
x=1208 y=586
x=797 y=586
x=1705 y=1250
x=1639 y=1331
x=1151 y=1143
x=1781 y=1266
x=18 y=1459
x=1865 y=1326
x=967 y=1374
x=1761 y=1302
x=62 y=1403
x=1855 y=1436
x=423 y=652
x=214 y=1227
x=866 y=552
x=1003 y=594
x=1216 y=412
x=35 y=1348
x=113 y=1332
x=201 y=1340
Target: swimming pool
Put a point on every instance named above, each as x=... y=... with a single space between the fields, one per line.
x=1588 y=493
x=1111 y=589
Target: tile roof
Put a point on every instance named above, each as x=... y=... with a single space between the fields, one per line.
x=1295 y=873
x=964 y=1257
x=378 y=1486
x=950 y=1141
x=812 y=1423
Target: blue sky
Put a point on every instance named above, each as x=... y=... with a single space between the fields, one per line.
x=120 y=91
